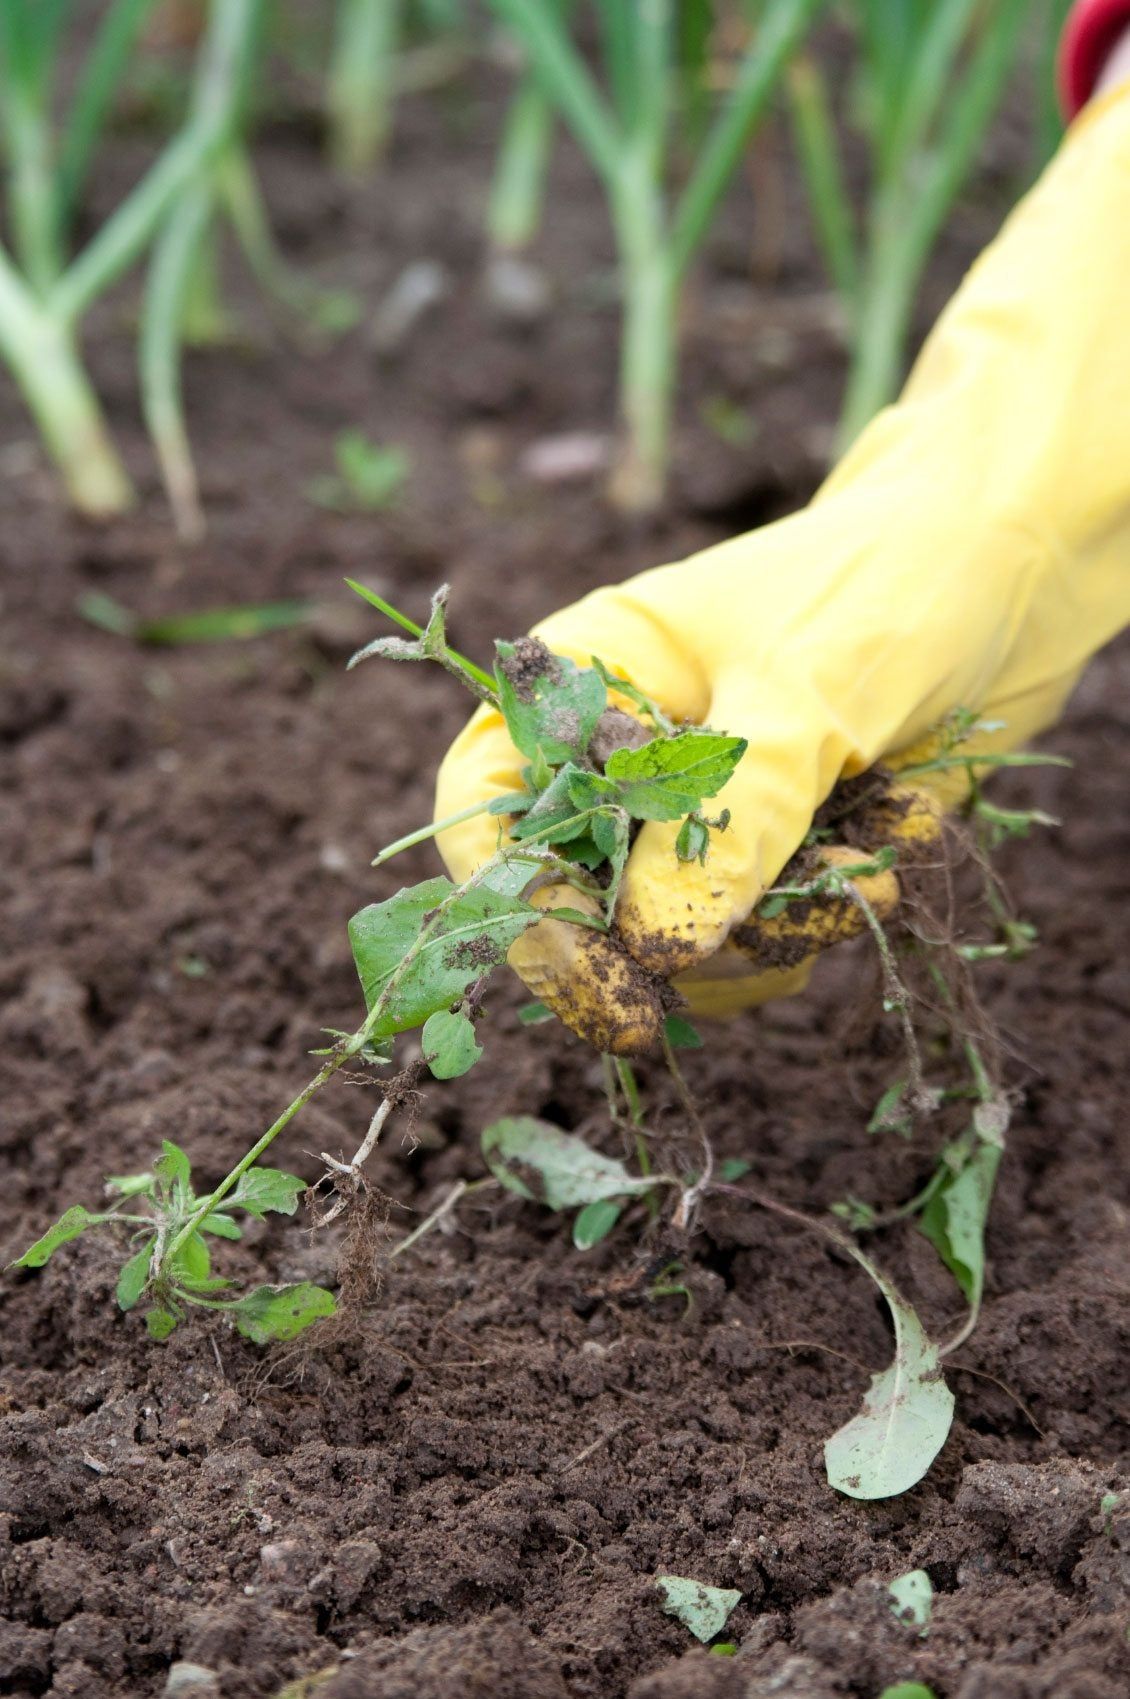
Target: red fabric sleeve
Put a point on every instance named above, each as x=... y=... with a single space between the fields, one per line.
x=1092 y=29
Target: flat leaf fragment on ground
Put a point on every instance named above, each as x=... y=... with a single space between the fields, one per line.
x=704 y=1610
x=906 y=1416
x=70 y=1224
x=539 y=1162
x=281 y=1312
x=912 y=1599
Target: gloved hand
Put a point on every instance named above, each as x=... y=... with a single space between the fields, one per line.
x=972 y=550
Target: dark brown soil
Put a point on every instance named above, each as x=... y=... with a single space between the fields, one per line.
x=468 y=1486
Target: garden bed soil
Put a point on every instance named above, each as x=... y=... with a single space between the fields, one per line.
x=467 y=1484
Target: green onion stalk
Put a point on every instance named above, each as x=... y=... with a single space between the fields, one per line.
x=627 y=131
x=44 y=295
x=933 y=79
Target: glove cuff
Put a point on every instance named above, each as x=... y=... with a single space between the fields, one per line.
x=1091 y=32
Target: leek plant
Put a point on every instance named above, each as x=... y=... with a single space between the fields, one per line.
x=627 y=131
x=932 y=76
x=45 y=291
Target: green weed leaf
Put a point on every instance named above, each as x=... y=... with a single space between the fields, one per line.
x=693 y=840
x=954 y=1220
x=70 y=1225
x=263 y=1189
x=281 y=1312
x=129 y=1185
x=670 y=776
x=912 y=1599
x=469 y=932
x=222 y=1226
x=133 y=1276
x=172 y=1167
x=160 y=1322
x=908 y=1690
x=545 y=1165
x=550 y=705
x=704 y=1610
x=594 y=1223
x=535 y=1014
x=681 y=1035
x=192 y=1264
x=449 y=1044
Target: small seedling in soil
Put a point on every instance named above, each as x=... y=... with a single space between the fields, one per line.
x=366 y=478
x=424 y=955
x=161 y=1205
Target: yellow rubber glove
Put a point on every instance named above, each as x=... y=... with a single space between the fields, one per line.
x=972 y=550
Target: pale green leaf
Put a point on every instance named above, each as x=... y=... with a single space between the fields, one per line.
x=129 y=1185
x=908 y=1690
x=281 y=1312
x=540 y=1162
x=449 y=1044
x=906 y=1414
x=912 y=1598
x=160 y=1322
x=549 y=703
x=704 y=1610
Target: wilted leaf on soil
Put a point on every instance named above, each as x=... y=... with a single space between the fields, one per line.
x=545 y=1165
x=912 y=1598
x=906 y=1412
x=704 y=1610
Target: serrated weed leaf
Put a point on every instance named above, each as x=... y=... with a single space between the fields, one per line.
x=594 y=1223
x=557 y=816
x=70 y=1225
x=281 y=1312
x=907 y=1411
x=133 y=1277
x=912 y=1598
x=264 y=1189
x=670 y=776
x=550 y=705
x=541 y=1163
x=421 y=950
x=449 y=1044
x=703 y=1610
